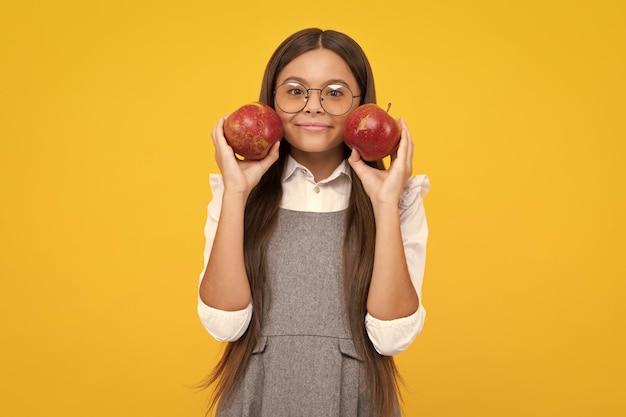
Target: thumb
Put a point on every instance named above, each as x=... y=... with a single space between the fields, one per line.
x=355 y=157
x=271 y=157
x=355 y=161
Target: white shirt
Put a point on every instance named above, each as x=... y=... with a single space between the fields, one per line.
x=302 y=193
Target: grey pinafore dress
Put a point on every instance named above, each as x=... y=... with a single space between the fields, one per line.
x=305 y=363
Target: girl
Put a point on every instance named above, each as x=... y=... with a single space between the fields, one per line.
x=314 y=258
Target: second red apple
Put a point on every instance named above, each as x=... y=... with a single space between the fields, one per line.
x=252 y=129
x=372 y=132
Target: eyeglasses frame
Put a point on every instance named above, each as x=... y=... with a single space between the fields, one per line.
x=306 y=98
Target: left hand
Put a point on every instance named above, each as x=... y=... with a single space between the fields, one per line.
x=385 y=186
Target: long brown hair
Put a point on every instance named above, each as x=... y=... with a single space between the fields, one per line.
x=358 y=248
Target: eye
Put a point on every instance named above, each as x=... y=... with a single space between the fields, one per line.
x=335 y=90
x=294 y=89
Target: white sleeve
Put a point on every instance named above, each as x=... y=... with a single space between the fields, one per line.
x=225 y=326
x=391 y=337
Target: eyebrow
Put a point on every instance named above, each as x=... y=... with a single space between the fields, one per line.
x=328 y=82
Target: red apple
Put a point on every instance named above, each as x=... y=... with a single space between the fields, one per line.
x=252 y=129
x=372 y=132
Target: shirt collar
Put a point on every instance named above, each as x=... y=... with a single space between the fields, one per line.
x=292 y=166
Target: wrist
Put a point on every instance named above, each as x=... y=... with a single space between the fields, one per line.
x=235 y=196
x=386 y=208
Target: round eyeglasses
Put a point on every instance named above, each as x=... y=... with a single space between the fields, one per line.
x=335 y=99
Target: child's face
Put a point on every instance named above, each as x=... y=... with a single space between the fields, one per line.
x=313 y=130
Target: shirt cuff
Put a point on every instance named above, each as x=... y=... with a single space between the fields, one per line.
x=417 y=185
x=391 y=337
x=224 y=326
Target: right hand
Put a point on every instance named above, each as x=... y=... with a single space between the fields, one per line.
x=239 y=176
x=386 y=186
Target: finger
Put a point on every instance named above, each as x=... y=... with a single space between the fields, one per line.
x=356 y=162
x=218 y=130
x=271 y=157
x=214 y=134
x=394 y=152
x=214 y=138
x=400 y=148
x=354 y=156
x=219 y=138
x=409 y=143
x=403 y=134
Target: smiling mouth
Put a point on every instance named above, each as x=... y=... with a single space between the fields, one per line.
x=313 y=127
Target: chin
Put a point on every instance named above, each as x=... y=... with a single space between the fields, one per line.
x=313 y=149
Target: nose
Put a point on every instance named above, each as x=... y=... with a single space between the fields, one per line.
x=314 y=105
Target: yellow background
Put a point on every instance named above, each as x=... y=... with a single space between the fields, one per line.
x=517 y=111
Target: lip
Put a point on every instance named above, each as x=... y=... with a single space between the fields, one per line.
x=313 y=126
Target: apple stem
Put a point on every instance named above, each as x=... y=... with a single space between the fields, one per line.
x=388 y=107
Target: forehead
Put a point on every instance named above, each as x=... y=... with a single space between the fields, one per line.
x=318 y=67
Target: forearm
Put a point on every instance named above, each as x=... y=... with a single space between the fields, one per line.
x=392 y=294
x=225 y=283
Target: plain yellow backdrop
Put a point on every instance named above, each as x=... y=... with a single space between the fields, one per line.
x=517 y=112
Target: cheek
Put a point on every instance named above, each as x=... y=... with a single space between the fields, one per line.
x=341 y=122
x=284 y=117
x=285 y=121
